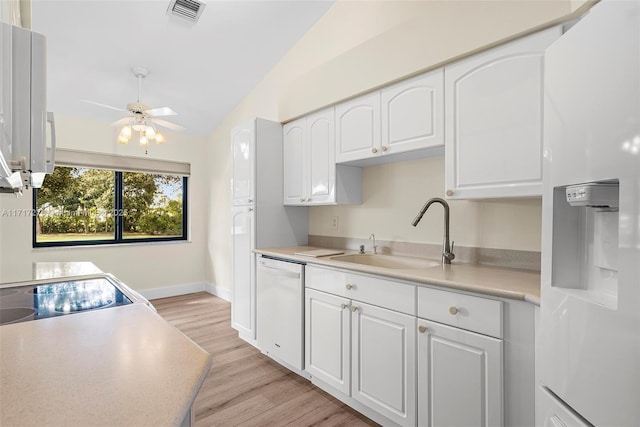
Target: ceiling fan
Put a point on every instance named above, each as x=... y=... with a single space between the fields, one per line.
x=142 y=118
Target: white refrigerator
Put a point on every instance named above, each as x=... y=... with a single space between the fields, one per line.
x=588 y=351
x=259 y=219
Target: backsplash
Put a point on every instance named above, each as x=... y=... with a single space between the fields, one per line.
x=525 y=260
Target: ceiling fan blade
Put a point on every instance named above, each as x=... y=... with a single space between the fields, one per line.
x=167 y=124
x=88 y=101
x=161 y=111
x=123 y=121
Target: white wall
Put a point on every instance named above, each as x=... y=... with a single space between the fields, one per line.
x=393 y=194
x=142 y=266
x=360 y=45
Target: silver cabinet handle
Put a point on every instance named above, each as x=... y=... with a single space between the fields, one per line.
x=349 y=286
x=453 y=310
x=343 y=306
x=301 y=199
x=449 y=192
x=250 y=200
x=422 y=329
x=374 y=150
x=354 y=308
x=250 y=209
x=384 y=148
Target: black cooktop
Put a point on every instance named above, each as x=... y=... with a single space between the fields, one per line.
x=40 y=301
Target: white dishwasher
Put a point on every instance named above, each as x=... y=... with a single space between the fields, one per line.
x=280 y=306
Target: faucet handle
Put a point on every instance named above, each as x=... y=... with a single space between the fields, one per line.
x=453 y=242
x=361 y=249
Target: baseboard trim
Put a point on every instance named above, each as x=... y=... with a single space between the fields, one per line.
x=223 y=293
x=186 y=288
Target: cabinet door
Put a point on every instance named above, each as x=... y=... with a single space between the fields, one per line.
x=459 y=377
x=327 y=339
x=494 y=120
x=413 y=114
x=321 y=160
x=358 y=128
x=243 y=151
x=383 y=360
x=294 y=136
x=243 y=304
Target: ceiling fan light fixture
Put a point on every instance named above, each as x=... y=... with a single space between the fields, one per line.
x=143 y=140
x=150 y=132
x=160 y=138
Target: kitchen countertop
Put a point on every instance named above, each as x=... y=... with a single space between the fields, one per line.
x=122 y=365
x=117 y=366
x=499 y=282
x=49 y=270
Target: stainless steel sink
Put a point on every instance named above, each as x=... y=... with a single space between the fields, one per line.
x=387 y=261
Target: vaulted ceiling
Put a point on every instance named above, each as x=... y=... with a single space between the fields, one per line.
x=202 y=70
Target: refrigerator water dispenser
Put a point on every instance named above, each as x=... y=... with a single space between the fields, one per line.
x=585 y=241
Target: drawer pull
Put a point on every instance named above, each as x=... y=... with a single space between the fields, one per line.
x=354 y=308
x=422 y=329
x=349 y=286
x=343 y=306
x=374 y=150
x=384 y=148
x=453 y=310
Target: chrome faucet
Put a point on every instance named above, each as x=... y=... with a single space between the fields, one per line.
x=447 y=251
x=375 y=248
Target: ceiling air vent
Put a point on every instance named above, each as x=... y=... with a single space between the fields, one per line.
x=187 y=9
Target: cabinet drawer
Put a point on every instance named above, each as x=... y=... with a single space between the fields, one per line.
x=475 y=314
x=377 y=291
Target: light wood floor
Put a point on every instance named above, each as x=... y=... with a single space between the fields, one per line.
x=245 y=387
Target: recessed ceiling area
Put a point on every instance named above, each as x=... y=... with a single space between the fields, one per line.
x=200 y=70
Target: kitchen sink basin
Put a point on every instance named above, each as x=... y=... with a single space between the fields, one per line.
x=386 y=261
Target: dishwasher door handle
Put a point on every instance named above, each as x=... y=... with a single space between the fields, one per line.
x=279 y=272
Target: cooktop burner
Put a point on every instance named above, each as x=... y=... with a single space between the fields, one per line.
x=39 y=301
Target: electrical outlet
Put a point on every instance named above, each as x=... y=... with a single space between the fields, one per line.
x=334 y=222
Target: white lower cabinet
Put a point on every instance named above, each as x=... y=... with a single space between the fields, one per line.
x=419 y=356
x=383 y=361
x=459 y=377
x=365 y=352
x=326 y=332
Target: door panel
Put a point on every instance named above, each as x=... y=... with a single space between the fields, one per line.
x=413 y=114
x=243 y=306
x=358 y=128
x=243 y=150
x=321 y=157
x=294 y=158
x=458 y=369
x=383 y=361
x=327 y=337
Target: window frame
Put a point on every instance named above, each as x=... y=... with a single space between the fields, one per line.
x=119 y=219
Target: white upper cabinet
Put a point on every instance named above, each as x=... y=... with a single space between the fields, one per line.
x=293 y=162
x=358 y=128
x=493 y=144
x=243 y=165
x=401 y=118
x=413 y=114
x=321 y=158
x=310 y=172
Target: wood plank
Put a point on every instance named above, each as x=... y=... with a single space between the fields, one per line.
x=244 y=386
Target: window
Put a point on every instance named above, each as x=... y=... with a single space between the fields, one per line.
x=85 y=206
